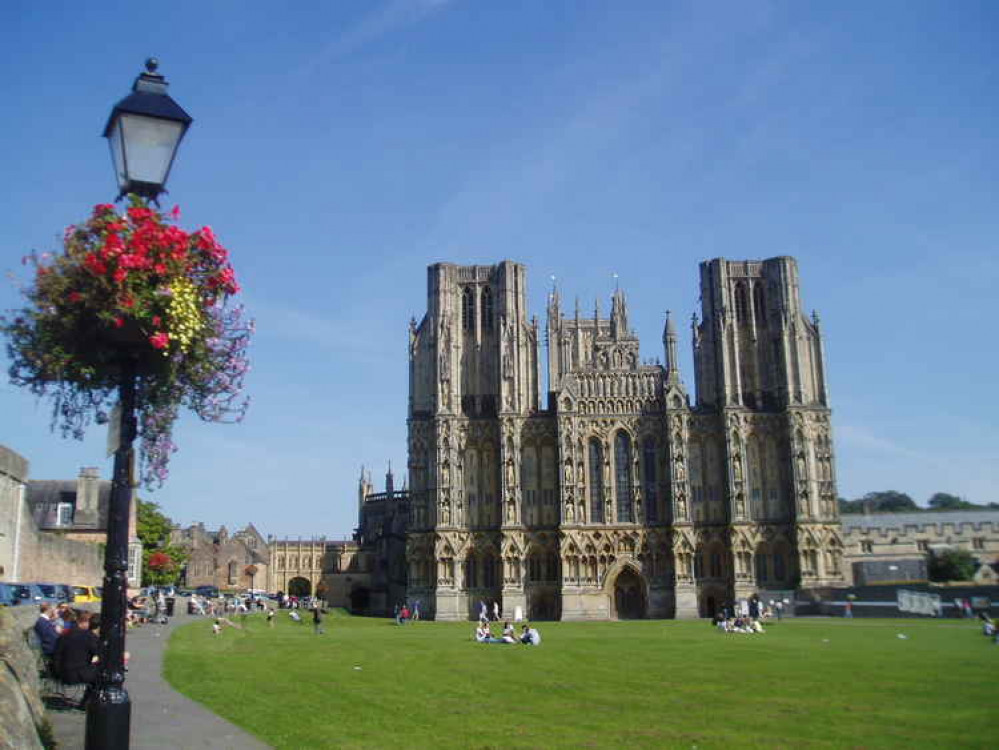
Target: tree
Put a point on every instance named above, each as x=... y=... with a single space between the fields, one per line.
x=153 y=530
x=951 y=565
x=887 y=501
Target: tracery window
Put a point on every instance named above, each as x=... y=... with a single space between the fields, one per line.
x=487 y=309
x=622 y=478
x=741 y=303
x=780 y=573
x=467 y=309
x=649 y=477
x=759 y=308
x=596 y=481
x=761 y=567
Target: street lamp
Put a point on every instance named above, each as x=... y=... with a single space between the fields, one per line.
x=144 y=130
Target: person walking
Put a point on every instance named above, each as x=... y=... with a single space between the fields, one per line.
x=270 y=617
x=317 y=621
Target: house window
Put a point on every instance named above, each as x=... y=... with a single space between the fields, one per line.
x=923 y=545
x=978 y=543
x=867 y=547
x=64 y=514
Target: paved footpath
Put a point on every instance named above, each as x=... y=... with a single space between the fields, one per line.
x=161 y=717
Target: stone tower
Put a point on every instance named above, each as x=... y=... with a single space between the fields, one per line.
x=760 y=374
x=474 y=377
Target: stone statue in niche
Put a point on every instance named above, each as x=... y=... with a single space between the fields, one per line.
x=570 y=512
x=737 y=467
x=507 y=350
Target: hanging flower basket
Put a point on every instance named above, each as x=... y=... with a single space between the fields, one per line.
x=132 y=293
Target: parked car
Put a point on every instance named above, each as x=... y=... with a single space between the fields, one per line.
x=87 y=593
x=10 y=594
x=65 y=593
x=33 y=593
x=211 y=592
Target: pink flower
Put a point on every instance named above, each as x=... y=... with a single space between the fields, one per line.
x=175 y=213
x=118 y=322
x=160 y=340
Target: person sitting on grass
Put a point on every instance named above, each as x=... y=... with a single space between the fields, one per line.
x=509 y=634
x=293 y=614
x=482 y=633
x=530 y=636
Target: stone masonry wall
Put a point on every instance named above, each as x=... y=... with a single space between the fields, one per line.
x=22 y=714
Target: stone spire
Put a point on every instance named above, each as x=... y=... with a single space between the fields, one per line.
x=619 y=315
x=669 y=346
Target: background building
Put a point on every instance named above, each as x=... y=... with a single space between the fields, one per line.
x=620 y=499
x=237 y=561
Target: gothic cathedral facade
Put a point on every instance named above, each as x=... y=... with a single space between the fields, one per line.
x=617 y=497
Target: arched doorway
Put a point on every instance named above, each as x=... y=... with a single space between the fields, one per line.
x=629 y=596
x=299 y=587
x=360 y=600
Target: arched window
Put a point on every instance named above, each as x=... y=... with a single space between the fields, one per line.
x=741 y=303
x=467 y=309
x=649 y=479
x=622 y=478
x=487 y=309
x=759 y=308
x=596 y=481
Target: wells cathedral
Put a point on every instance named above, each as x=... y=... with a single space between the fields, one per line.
x=619 y=495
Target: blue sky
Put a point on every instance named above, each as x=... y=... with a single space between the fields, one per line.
x=339 y=148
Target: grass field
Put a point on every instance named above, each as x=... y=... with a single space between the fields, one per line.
x=817 y=683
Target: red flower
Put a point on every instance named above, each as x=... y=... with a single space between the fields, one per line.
x=120 y=275
x=118 y=322
x=160 y=340
x=75 y=296
x=175 y=212
x=127 y=301
x=157 y=321
x=160 y=269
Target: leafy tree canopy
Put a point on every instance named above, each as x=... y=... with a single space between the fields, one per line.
x=891 y=501
x=951 y=565
x=153 y=529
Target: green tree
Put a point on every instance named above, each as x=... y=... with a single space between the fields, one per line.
x=153 y=530
x=951 y=565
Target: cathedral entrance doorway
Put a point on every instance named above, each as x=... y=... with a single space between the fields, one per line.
x=299 y=587
x=629 y=596
x=360 y=600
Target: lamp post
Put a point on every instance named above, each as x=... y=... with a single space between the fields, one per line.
x=144 y=130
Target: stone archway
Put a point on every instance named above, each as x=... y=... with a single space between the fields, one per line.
x=299 y=586
x=360 y=600
x=629 y=595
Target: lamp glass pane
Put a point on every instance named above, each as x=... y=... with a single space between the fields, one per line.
x=149 y=147
x=117 y=152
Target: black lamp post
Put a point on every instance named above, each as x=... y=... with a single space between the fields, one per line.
x=144 y=130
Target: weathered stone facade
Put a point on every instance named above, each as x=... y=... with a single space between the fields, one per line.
x=54 y=530
x=218 y=558
x=900 y=539
x=620 y=499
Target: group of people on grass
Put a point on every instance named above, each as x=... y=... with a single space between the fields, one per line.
x=528 y=636
x=746 y=617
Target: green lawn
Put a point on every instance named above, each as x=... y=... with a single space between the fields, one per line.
x=368 y=683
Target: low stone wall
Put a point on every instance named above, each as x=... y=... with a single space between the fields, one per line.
x=22 y=714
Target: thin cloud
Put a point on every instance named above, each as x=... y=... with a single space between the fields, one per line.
x=390 y=17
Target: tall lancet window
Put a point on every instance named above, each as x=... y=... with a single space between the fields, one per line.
x=741 y=303
x=759 y=306
x=596 y=481
x=487 y=309
x=622 y=478
x=467 y=309
x=649 y=480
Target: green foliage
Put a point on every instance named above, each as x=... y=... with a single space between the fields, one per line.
x=891 y=501
x=888 y=501
x=811 y=683
x=153 y=530
x=951 y=565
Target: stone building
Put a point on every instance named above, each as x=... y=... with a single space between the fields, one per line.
x=237 y=561
x=620 y=498
x=299 y=564
x=892 y=547
x=55 y=530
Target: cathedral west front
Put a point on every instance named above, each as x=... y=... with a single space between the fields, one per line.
x=619 y=495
